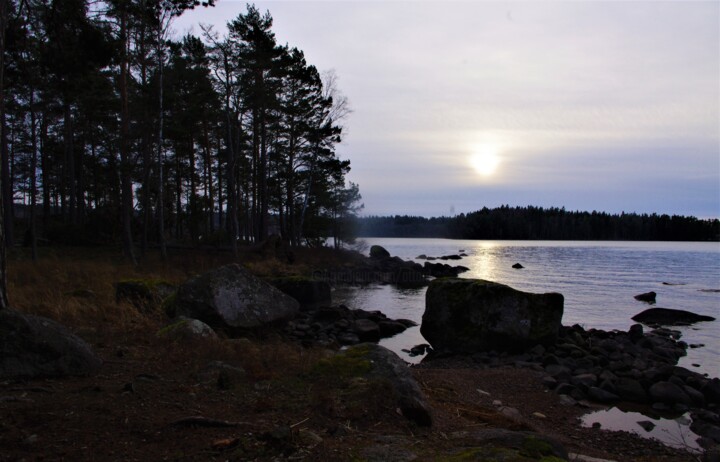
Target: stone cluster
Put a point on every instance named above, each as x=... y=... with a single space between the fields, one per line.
x=344 y=326
x=615 y=366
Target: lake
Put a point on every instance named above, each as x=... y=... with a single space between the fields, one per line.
x=598 y=280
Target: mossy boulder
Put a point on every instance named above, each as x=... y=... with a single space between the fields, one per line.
x=376 y=363
x=473 y=315
x=144 y=294
x=308 y=292
x=231 y=298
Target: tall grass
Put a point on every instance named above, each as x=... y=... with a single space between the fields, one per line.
x=76 y=286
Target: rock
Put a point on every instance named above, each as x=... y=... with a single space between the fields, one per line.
x=184 y=329
x=518 y=266
x=510 y=413
x=646 y=425
x=377 y=251
x=706 y=430
x=390 y=328
x=421 y=257
x=566 y=400
x=32 y=346
x=387 y=366
x=451 y=257
x=601 y=396
x=669 y=317
x=636 y=332
x=711 y=390
x=668 y=393
x=145 y=295
x=441 y=270
x=348 y=338
x=584 y=381
x=418 y=350
x=367 y=330
x=630 y=390
x=230 y=297
x=225 y=376
x=471 y=315
x=309 y=292
x=648 y=297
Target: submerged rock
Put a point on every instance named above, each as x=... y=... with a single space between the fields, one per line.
x=518 y=266
x=471 y=315
x=648 y=297
x=33 y=346
x=669 y=317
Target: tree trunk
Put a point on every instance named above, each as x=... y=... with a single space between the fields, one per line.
x=160 y=155
x=7 y=191
x=3 y=260
x=264 y=206
x=33 y=177
x=45 y=169
x=70 y=160
x=210 y=226
x=125 y=164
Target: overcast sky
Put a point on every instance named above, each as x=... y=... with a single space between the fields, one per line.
x=611 y=106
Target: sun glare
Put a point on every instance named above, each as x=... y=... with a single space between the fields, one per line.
x=485 y=159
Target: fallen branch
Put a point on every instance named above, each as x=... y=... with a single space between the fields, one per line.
x=200 y=421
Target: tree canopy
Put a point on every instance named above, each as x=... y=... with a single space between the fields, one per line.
x=114 y=132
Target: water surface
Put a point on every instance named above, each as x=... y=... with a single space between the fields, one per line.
x=598 y=280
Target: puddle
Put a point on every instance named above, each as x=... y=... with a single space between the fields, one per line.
x=673 y=432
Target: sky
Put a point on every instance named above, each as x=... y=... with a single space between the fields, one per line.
x=458 y=105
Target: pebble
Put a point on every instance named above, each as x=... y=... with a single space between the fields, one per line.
x=539 y=415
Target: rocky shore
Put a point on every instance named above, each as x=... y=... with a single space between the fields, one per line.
x=499 y=358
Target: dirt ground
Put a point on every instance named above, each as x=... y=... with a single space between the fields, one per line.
x=156 y=399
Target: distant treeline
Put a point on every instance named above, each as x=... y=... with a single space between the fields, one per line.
x=544 y=223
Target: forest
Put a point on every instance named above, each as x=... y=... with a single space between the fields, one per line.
x=530 y=222
x=115 y=131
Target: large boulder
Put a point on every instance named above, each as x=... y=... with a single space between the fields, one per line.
x=230 y=297
x=32 y=346
x=669 y=317
x=471 y=315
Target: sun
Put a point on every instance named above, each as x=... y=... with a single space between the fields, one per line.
x=485 y=159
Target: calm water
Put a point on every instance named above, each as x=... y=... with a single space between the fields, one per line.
x=598 y=280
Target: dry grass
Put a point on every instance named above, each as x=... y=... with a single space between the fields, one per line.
x=76 y=285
